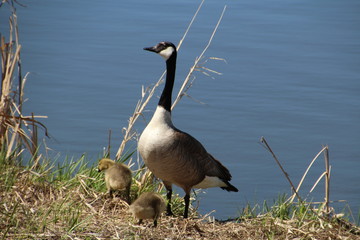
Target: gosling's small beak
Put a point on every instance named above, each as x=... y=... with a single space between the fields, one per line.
x=98 y=170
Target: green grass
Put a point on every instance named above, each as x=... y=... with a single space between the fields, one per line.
x=58 y=197
x=295 y=215
x=68 y=199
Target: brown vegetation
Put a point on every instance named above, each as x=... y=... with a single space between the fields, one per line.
x=36 y=209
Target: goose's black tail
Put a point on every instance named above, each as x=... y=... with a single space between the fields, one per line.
x=229 y=187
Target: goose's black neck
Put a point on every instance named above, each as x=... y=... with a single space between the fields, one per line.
x=165 y=99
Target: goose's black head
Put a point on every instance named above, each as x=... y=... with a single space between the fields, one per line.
x=164 y=49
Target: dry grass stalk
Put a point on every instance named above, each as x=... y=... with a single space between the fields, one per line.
x=38 y=210
x=196 y=63
x=327 y=180
x=12 y=134
x=325 y=174
x=305 y=174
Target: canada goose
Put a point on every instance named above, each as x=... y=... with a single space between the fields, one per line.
x=117 y=176
x=173 y=155
x=148 y=206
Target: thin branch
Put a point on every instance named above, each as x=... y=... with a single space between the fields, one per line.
x=262 y=140
x=192 y=69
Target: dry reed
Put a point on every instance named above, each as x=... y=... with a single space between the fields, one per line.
x=37 y=209
x=16 y=130
x=322 y=211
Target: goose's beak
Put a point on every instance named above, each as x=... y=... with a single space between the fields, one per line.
x=151 y=49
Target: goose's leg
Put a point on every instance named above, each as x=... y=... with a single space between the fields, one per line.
x=127 y=197
x=111 y=193
x=155 y=223
x=168 y=196
x=187 y=202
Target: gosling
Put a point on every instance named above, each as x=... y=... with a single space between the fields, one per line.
x=148 y=206
x=117 y=177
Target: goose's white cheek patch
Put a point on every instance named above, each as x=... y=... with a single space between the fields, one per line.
x=166 y=53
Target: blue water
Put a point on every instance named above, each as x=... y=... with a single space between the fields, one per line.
x=292 y=74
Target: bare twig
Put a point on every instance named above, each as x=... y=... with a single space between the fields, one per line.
x=266 y=145
x=197 y=60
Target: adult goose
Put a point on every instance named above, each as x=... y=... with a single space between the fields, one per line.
x=173 y=155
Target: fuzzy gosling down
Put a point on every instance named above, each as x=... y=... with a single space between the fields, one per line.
x=148 y=206
x=118 y=177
